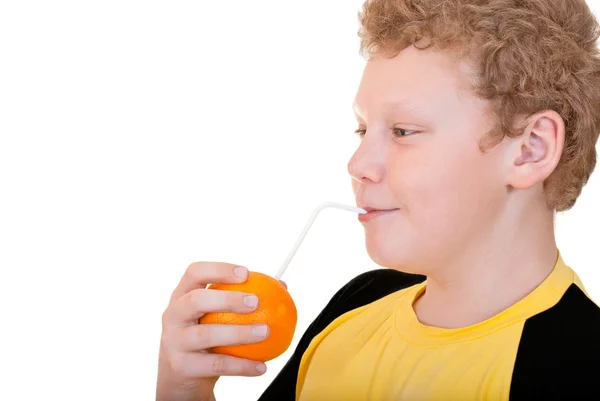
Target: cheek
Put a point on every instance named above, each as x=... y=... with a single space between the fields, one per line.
x=445 y=189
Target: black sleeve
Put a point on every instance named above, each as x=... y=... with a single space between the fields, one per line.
x=361 y=290
x=559 y=353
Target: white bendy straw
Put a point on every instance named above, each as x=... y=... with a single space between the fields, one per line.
x=307 y=227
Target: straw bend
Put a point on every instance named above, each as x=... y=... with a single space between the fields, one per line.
x=307 y=227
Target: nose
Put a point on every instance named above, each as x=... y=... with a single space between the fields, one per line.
x=367 y=163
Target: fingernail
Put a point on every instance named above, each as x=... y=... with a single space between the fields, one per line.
x=260 y=331
x=261 y=368
x=240 y=271
x=250 y=301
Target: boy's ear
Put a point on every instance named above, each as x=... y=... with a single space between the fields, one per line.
x=535 y=154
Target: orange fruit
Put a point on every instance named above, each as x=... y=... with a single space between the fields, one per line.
x=275 y=308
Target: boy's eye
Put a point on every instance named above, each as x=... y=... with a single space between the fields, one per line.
x=360 y=132
x=397 y=132
x=402 y=132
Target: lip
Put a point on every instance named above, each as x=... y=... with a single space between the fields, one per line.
x=373 y=213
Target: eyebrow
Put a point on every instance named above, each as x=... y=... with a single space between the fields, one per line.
x=395 y=105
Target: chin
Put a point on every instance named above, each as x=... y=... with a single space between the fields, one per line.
x=394 y=257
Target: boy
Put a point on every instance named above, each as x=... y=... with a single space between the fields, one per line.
x=478 y=120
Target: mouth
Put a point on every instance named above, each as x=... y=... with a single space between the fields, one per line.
x=373 y=213
x=372 y=209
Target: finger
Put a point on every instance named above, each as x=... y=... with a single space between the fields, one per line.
x=195 y=364
x=204 y=336
x=191 y=306
x=200 y=274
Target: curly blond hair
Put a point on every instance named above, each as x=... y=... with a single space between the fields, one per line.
x=528 y=55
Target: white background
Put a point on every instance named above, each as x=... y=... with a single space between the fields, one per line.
x=139 y=136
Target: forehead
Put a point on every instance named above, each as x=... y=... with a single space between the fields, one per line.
x=414 y=80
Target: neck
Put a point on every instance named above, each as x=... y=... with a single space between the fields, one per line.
x=498 y=270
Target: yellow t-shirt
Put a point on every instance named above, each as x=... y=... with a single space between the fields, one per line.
x=380 y=351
